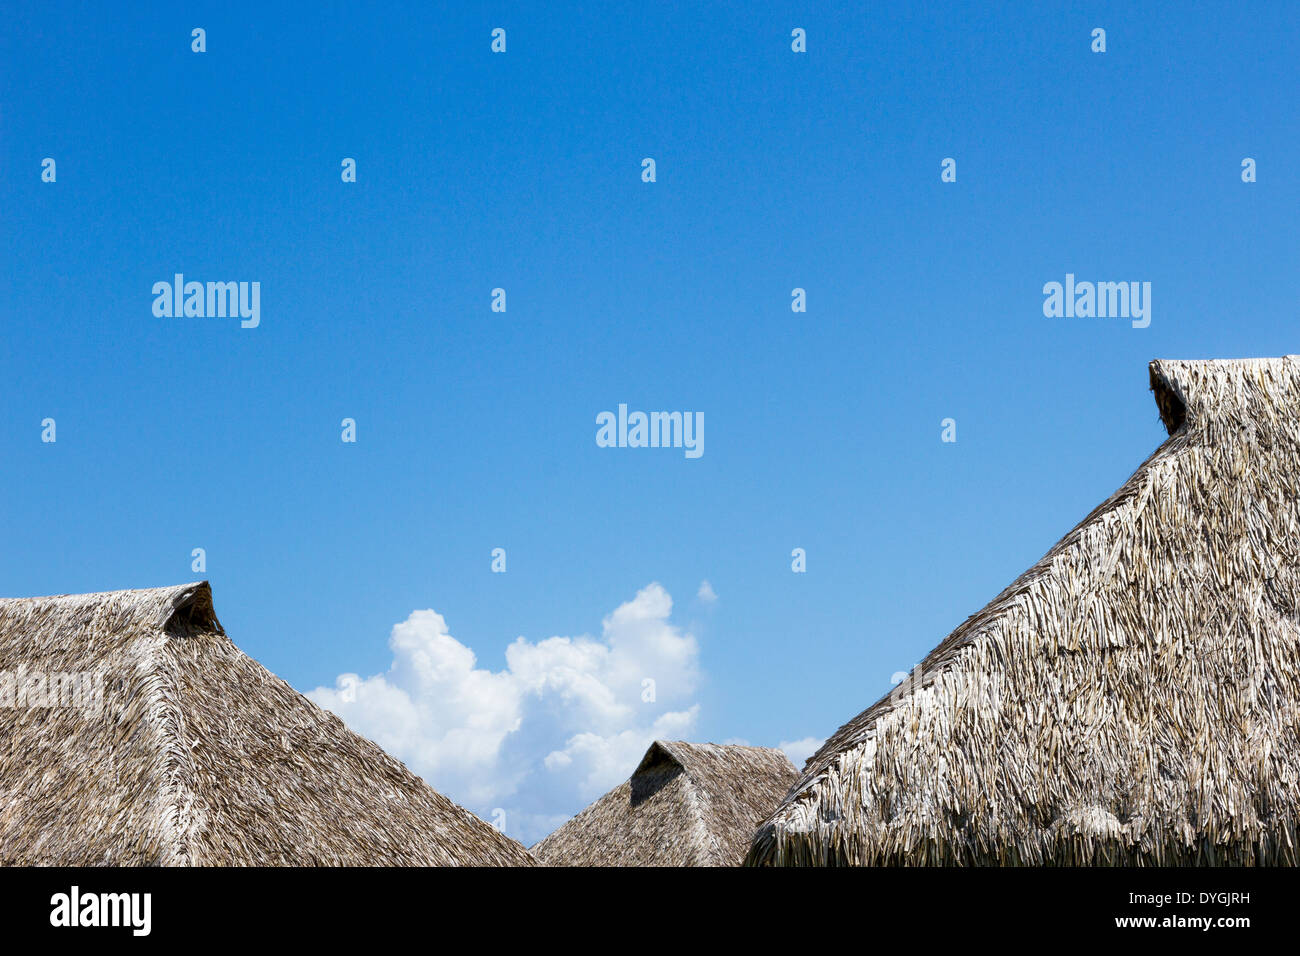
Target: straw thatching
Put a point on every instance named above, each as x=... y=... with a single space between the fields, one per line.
x=1130 y=699
x=686 y=805
x=195 y=754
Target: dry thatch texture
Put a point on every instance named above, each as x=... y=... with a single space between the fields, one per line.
x=686 y=805
x=199 y=755
x=1130 y=699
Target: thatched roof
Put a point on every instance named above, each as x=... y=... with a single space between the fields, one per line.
x=196 y=754
x=686 y=805
x=1131 y=698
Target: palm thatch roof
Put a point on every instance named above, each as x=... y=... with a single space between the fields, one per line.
x=686 y=805
x=194 y=754
x=1130 y=699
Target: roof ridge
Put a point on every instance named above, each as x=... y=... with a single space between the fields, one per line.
x=701 y=833
x=178 y=809
x=159 y=594
x=174 y=806
x=707 y=821
x=681 y=751
x=177 y=611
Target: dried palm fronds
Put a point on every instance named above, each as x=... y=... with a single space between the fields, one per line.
x=686 y=805
x=194 y=753
x=1130 y=699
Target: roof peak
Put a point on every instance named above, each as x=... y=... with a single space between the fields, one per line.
x=1190 y=392
x=686 y=804
x=188 y=605
x=140 y=592
x=681 y=752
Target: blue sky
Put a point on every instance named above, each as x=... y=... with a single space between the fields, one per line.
x=476 y=429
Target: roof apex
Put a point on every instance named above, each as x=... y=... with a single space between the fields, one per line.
x=662 y=751
x=1193 y=391
x=160 y=608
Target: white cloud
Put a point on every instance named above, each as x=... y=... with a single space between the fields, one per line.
x=706 y=594
x=800 y=750
x=567 y=719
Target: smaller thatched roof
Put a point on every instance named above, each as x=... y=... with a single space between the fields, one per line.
x=134 y=732
x=686 y=805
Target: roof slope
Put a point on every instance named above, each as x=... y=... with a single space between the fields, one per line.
x=1131 y=698
x=686 y=805
x=195 y=753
